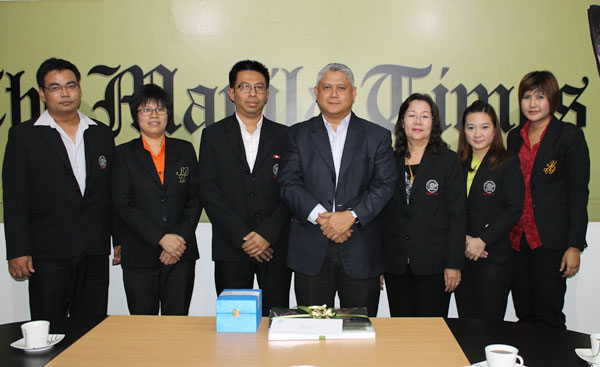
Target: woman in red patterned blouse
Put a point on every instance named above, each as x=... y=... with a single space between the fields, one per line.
x=549 y=237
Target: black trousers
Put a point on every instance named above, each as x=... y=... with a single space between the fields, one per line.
x=483 y=290
x=75 y=287
x=538 y=288
x=274 y=278
x=167 y=287
x=320 y=289
x=412 y=295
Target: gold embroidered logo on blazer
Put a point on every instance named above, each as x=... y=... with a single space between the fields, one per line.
x=183 y=174
x=550 y=168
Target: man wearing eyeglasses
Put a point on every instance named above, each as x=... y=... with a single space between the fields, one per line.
x=57 y=201
x=238 y=168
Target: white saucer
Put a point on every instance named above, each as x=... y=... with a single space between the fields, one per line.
x=586 y=355
x=52 y=340
x=483 y=364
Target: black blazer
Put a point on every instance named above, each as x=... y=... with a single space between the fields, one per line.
x=149 y=209
x=365 y=184
x=559 y=184
x=45 y=214
x=494 y=205
x=236 y=200
x=429 y=232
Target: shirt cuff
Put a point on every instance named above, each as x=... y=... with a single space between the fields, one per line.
x=314 y=214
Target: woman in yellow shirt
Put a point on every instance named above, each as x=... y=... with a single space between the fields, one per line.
x=495 y=193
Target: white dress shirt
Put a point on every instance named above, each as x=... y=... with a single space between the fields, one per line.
x=337 y=139
x=250 y=141
x=75 y=150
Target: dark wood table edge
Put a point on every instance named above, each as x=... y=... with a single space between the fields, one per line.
x=539 y=345
x=73 y=328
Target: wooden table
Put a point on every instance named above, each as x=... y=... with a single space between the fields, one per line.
x=192 y=341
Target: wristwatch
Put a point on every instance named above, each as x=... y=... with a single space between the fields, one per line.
x=356 y=220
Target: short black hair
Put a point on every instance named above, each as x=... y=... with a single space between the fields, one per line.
x=544 y=82
x=148 y=93
x=247 y=65
x=55 y=64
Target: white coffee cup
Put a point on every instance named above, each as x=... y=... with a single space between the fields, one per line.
x=502 y=355
x=595 y=341
x=36 y=333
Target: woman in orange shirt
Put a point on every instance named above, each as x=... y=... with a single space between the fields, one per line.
x=155 y=199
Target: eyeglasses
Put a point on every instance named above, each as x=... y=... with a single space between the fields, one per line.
x=147 y=111
x=71 y=87
x=247 y=88
x=410 y=117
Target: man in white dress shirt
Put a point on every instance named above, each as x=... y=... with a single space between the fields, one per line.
x=238 y=169
x=57 y=208
x=337 y=175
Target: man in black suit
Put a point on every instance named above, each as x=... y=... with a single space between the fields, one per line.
x=238 y=167
x=56 y=180
x=338 y=173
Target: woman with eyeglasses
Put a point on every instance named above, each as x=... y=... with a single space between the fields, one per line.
x=424 y=222
x=495 y=192
x=158 y=210
x=550 y=235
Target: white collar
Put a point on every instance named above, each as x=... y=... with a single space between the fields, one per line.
x=46 y=120
x=243 y=126
x=345 y=121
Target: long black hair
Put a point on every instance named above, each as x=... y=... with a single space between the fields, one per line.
x=436 y=143
x=497 y=151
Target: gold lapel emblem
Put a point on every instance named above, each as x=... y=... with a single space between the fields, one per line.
x=550 y=168
x=183 y=174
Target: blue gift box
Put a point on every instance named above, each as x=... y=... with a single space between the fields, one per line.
x=239 y=310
